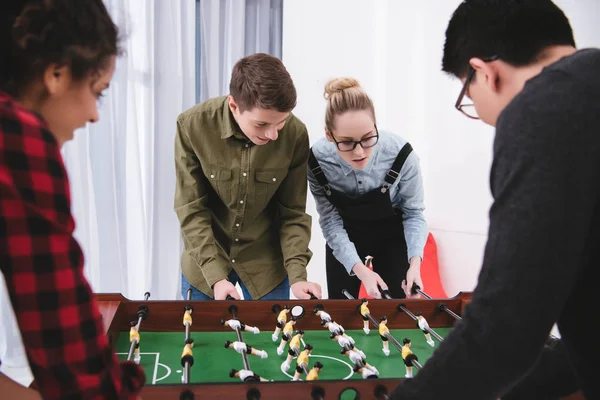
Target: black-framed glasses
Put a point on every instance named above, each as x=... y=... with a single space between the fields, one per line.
x=350 y=145
x=468 y=109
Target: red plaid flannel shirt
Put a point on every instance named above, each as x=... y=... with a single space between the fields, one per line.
x=42 y=263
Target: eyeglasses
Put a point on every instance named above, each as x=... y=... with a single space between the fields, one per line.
x=469 y=108
x=350 y=145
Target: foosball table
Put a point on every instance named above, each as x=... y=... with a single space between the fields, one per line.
x=261 y=350
x=296 y=349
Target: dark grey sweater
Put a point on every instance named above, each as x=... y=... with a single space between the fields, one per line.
x=542 y=257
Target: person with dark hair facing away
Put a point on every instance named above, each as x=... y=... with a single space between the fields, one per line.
x=57 y=57
x=520 y=69
x=240 y=195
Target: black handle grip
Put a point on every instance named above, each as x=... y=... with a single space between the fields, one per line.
x=229 y=297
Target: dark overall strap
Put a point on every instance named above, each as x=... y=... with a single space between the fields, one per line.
x=316 y=169
x=394 y=172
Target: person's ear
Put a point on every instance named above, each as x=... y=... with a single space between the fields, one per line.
x=233 y=106
x=56 y=79
x=328 y=135
x=486 y=73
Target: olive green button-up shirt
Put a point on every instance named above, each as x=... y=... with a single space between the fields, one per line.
x=240 y=206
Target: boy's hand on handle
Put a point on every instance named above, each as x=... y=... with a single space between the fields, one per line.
x=370 y=279
x=224 y=288
x=303 y=290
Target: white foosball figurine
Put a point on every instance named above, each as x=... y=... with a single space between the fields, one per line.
x=320 y=312
x=237 y=324
x=365 y=372
x=424 y=326
x=358 y=359
x=246 y=376
x=241 y=347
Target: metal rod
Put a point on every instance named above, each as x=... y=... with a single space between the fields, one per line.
x=142 y=314
x=449 y=312
x=376 y=324
x=239 y=337
x=186 y=368
x=433 y=333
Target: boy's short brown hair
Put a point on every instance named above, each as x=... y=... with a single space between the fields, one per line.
x=261 y=80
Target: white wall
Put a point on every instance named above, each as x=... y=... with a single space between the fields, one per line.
x=394 y=47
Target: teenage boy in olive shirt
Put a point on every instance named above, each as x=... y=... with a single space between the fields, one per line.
x=241 y=187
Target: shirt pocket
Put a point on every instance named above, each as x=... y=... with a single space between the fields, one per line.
x=220 y=180
x=266 y=183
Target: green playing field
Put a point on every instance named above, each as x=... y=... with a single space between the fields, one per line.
x=161 y=354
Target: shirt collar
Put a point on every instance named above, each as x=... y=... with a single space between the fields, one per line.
x=230 y=126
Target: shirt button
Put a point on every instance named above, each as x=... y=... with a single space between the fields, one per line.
x=360 y=182
x=237 y=240
x=233 y=261
x=274 y=179
x=244 y=174
x=212 y=176
x=246 y=145
x=241 y=201
x=237 y=224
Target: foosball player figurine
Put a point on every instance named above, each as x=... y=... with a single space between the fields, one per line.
x=336 y=328
x=236 y=323
x=281 y=321
x=313 y=374
x=364 y=311
x=286 y=335
x=408 y=357
x=345 y=341
x=358 y=359
x=240 y=347
x=187 y=355
x=134 y=336
x=246 y=376
x=365 y=372
x=424 y=326
x=383 y=332
x=294 y=349
x=302 y=361
x=320 y=312
x=187 y=316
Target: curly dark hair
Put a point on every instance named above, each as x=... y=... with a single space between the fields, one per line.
x=37 y=33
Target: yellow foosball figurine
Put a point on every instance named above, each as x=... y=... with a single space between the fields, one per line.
x=313 y=374
x=187 y=355
x=302 y=361
x=281 y=321
x=408 y=357
x=286 y=335
x=294 y=349
x=187 y=316
x=364 y=312
x=134 y=336
x=383 y=332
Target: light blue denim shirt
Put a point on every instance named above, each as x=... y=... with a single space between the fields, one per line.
x=406 y=194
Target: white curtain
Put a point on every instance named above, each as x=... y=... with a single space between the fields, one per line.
x=229 y=30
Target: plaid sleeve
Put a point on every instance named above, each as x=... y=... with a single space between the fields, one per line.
x=58 y=316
